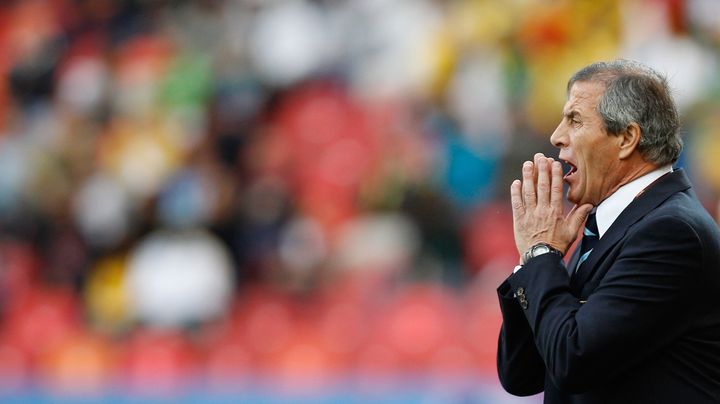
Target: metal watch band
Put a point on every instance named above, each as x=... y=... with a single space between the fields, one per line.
x=537 y=250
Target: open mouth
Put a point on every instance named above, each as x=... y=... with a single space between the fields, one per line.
x=573 y=169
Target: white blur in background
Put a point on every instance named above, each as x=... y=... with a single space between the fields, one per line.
x=176 y=279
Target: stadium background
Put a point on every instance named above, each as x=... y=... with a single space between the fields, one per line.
x=290 y=200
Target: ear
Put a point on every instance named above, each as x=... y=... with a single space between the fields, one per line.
x=629 y=140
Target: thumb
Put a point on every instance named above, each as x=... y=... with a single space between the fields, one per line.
x=578 y=215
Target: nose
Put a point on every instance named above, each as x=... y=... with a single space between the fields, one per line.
x=559 y=137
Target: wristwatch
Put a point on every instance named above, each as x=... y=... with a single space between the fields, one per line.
x=538 y=250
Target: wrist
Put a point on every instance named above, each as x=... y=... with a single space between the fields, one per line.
x=537 y=250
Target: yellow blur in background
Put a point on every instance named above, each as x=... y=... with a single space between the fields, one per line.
x=291 y=200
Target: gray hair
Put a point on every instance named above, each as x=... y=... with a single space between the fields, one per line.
x=637 y=93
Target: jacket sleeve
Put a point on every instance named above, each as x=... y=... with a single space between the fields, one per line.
x=520 y=368
x=642 y=304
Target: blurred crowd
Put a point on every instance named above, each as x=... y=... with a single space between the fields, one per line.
x=218 y=190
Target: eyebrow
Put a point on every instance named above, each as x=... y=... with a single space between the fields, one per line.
x=571 y=114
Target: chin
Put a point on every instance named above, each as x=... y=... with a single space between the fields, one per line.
x=575 y=197
x=571 y=198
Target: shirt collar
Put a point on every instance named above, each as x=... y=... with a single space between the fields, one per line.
x=612 y=207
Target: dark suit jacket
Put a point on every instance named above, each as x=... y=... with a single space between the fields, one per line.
x=638 y=323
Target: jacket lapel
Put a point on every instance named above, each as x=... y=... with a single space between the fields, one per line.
x=648 y=200
x=572 y=263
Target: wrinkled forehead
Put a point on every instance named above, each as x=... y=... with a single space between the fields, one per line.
x=584 y=96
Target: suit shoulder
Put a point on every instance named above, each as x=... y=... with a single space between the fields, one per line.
x=683 y=217
x=683 y=208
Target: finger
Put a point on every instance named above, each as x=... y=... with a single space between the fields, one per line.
x=556 y=187
x=543 y=183
x=528 y=185
x=536 y=160
x=518 y=209
x=578 y=215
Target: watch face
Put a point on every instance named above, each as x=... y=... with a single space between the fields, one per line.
x=537 y=250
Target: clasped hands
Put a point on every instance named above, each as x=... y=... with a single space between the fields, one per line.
x=537 y=207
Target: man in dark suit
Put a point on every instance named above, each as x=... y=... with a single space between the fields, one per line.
x=634 y=316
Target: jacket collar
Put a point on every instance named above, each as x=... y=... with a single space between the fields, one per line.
x=648 y=200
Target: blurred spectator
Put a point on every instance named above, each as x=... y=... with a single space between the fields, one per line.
x=177 y=279
x=237 y=189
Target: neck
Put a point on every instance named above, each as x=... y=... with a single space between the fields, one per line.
x=638 y=171
x=633 y=172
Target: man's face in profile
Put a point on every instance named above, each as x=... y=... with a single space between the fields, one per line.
x=585 y=146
